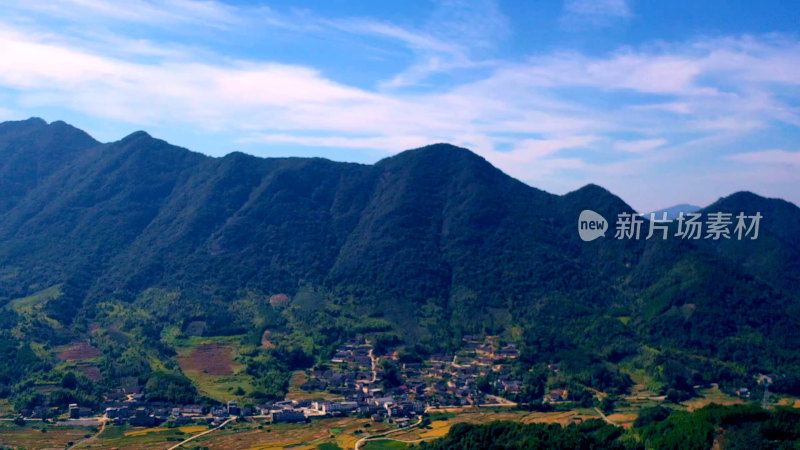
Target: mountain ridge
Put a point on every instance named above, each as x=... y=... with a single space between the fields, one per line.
x=433 y=243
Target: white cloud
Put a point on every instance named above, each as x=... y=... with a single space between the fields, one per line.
x=532 y=150
x=707 y=90
x=579 y=13
x=207 y=12
x=513 y=98
x=456 y=37
x=770 y=157
x=640 y=146
x=387 y=143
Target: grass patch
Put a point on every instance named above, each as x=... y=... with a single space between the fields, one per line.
x=6 y=409
x=29 y=303
x=712 y=395
x=442 y=415
x=12 y=436
x=196 y=341
x=212 y=367
x=113 y=432
x=328 y=446
x=384 y=444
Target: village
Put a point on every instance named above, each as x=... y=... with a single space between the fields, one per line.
x=354 y=382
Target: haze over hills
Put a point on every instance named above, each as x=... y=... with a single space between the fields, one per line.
x=139 y=237
x=674 y=211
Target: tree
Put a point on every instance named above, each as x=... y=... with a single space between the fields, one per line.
x=170 y=387
x=69 y=381
x=608 y=404
x=651 y=415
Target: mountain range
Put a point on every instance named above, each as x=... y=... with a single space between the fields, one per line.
x=673 y=211
x=435 y=242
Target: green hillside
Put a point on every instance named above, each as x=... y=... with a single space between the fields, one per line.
x=152 y=245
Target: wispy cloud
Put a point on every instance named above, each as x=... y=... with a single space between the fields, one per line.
x=386 y=143
x=142 y=11
x=640 y=146
x=580 y=13
x=768 y=157
x=559 y=115
x=463 y=32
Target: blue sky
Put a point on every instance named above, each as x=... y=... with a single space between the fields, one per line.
x=660 y=102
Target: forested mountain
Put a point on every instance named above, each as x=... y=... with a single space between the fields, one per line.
x=435 y=242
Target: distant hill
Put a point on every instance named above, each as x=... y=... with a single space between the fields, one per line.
x=144 y=239
x=674 y=211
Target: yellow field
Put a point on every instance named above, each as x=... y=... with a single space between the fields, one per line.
x=279 y=446
x=626 y=417
x=793 y=402
x=187 y=429
x=346 y=440
x=713 y=395
x=438 y=429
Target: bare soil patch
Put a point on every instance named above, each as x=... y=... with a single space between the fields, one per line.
x=213 y=359
x=78 y=351
x=92 y=372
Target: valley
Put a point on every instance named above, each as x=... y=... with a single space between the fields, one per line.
x=153 y=290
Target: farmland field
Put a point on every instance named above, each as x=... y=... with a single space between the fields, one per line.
x=712 y=395
x=145 y=438
x=213 y=359
x=93 y=372
x=257 y=435
x=32 y=436
x=78 y=351
x=212 y=368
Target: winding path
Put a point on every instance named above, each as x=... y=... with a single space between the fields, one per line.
x=92 y=437
x=201 y=434
x=364 y=440
x=608 y=421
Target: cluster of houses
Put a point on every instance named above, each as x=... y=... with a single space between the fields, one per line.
x=138 y=412
x=445 y=379
x=397 y=410
x=135 y=411
x=355 y=378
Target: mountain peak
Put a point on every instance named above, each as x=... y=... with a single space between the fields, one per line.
x=69 y=136
x=136 y=135
x=744 y=196
x=741 y=200
x=22 y=125
x=446 y=148
x=438 y=155
x=588 y=191
x=597 y=198
x=34 y=121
